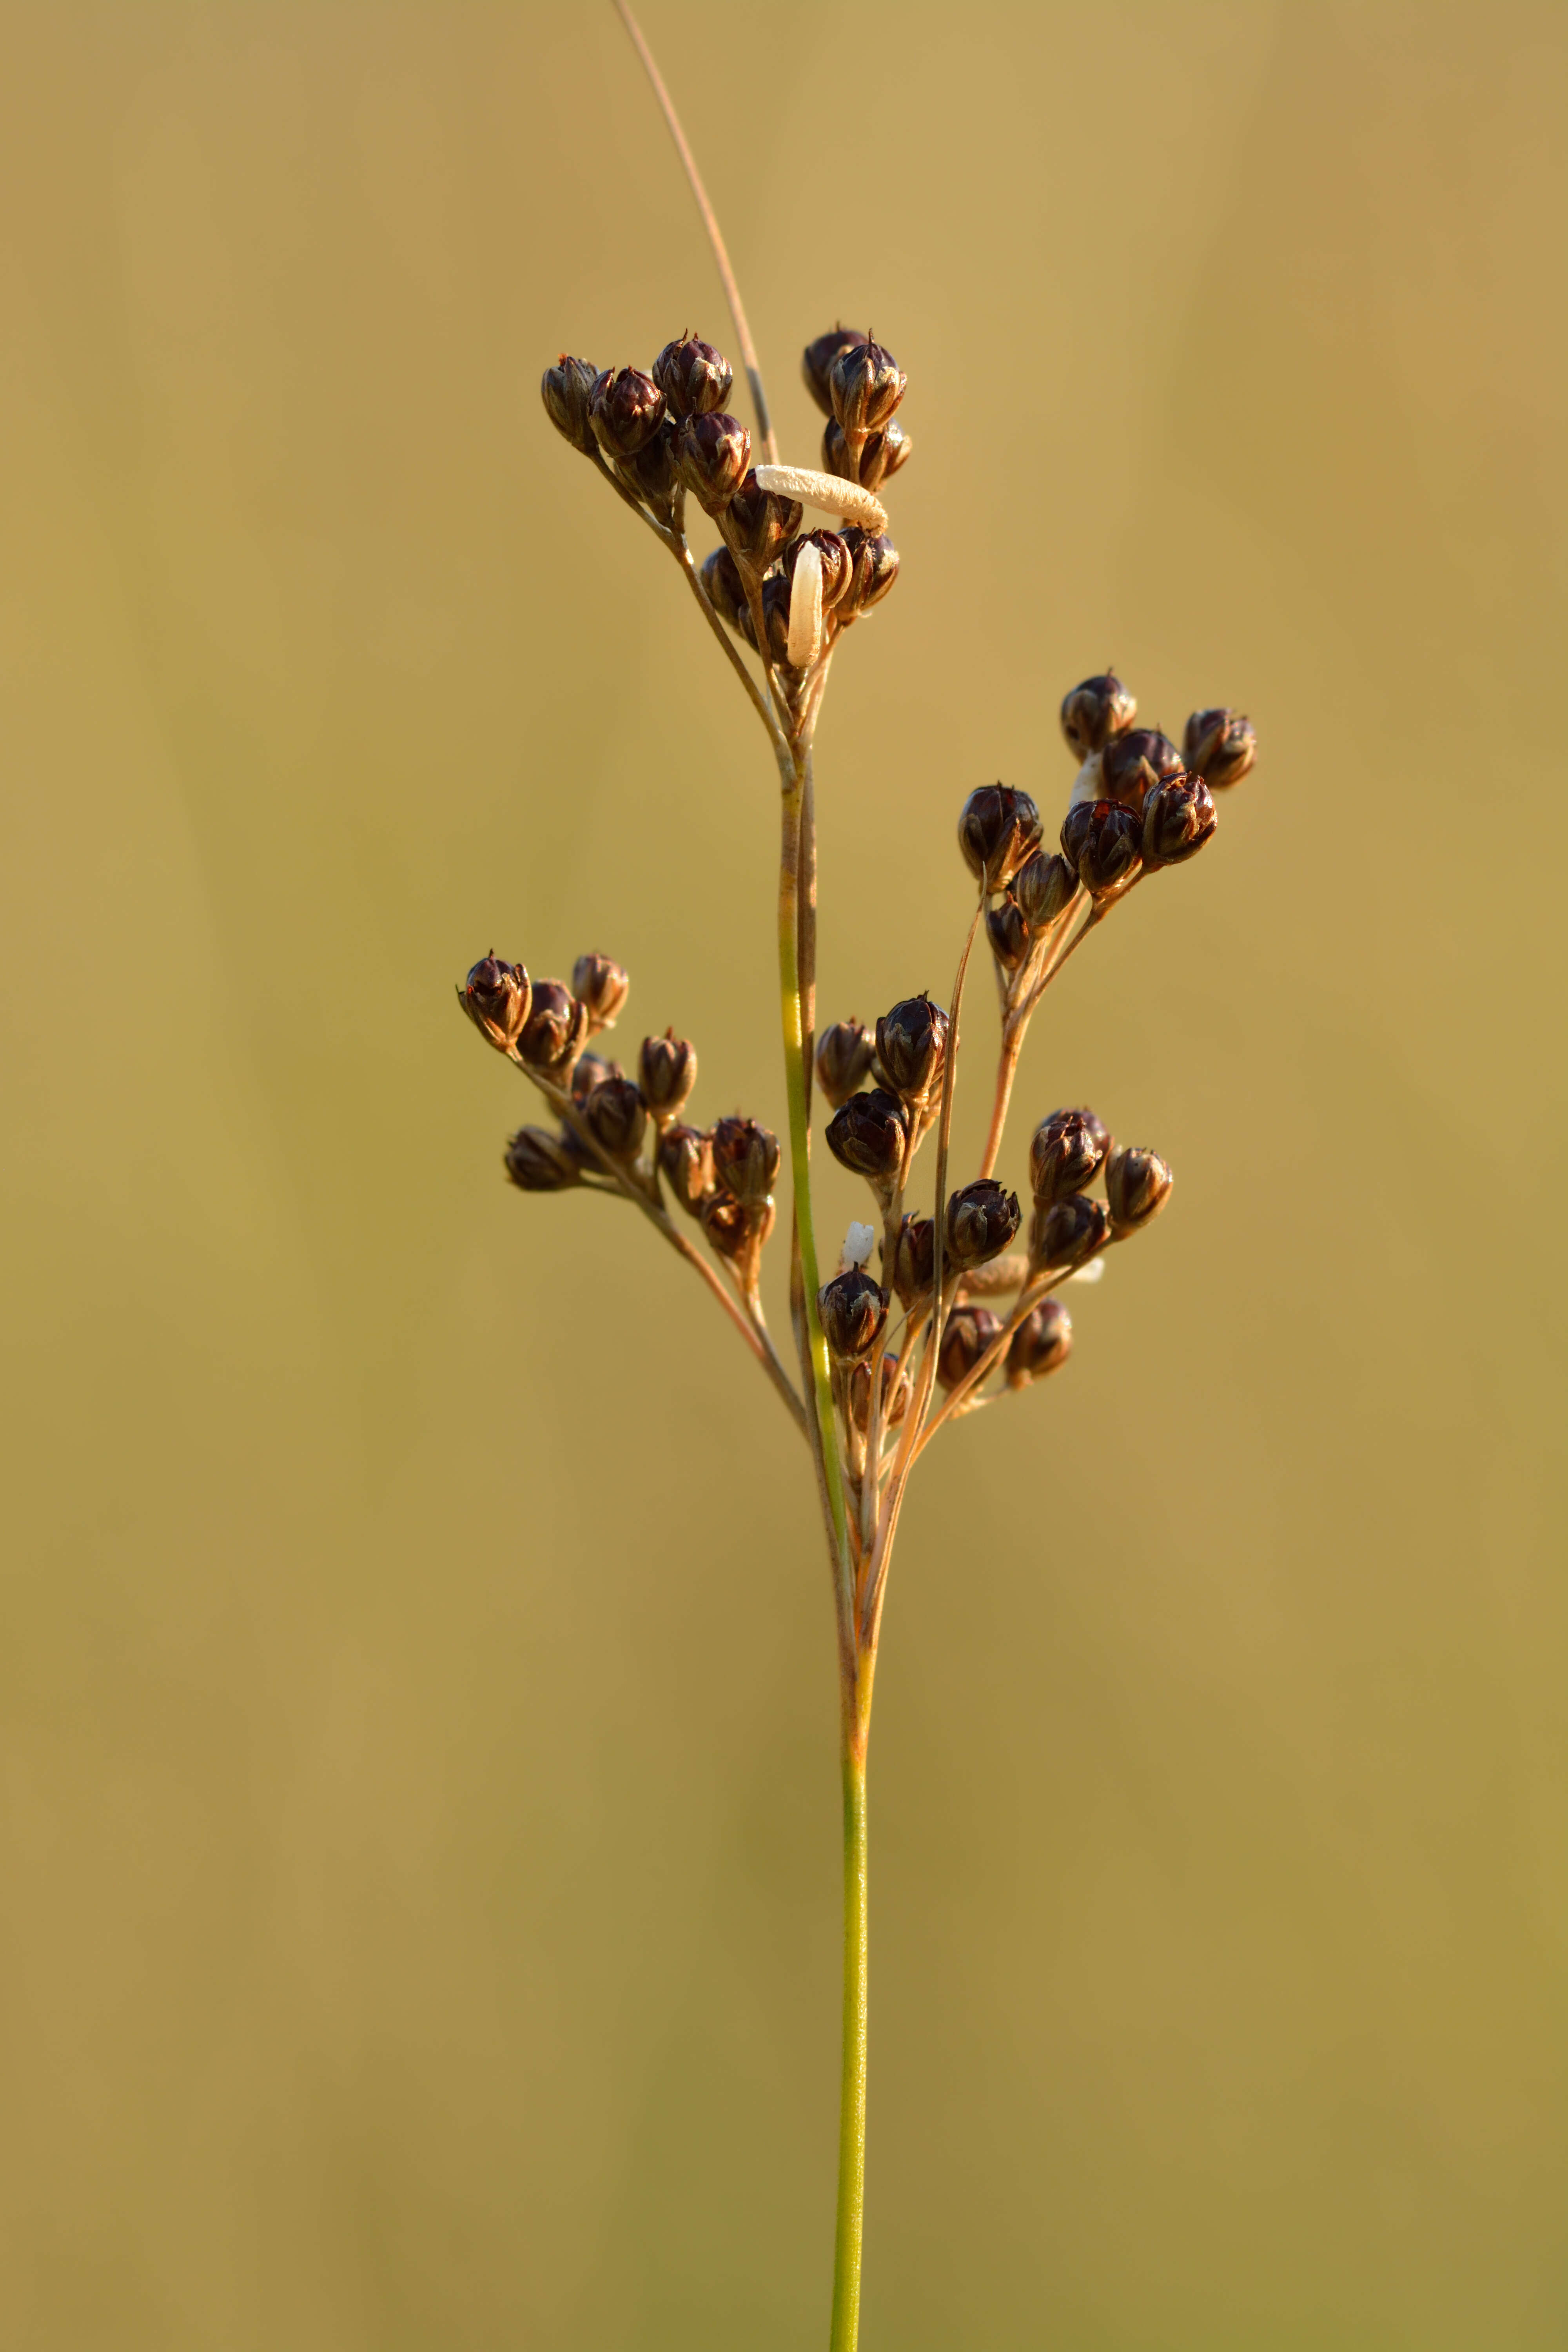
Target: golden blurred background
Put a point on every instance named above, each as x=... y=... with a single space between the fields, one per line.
x=420 y=1802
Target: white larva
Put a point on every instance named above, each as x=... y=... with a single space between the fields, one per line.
x=804 y=642
x=829 y=492
x=859 y=1244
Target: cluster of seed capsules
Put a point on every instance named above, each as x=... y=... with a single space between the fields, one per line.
x=1138 y=805
x=617 y=1131
x=667 y=436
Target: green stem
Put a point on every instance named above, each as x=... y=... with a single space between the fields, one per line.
x=852 y=2090
x=826 y=1440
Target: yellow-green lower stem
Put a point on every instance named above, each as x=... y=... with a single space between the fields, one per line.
x=851 y=2219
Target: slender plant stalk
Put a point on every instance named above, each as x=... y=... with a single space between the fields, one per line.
x=851 y=2215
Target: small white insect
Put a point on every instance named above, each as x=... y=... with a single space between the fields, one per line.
x=1093 y=1272
x=804 y=640
x=1089 y=782
x=829 y=492
x=859 y=1244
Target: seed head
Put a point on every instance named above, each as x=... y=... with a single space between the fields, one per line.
x=566 y=388
x=970 y=1330
x=880 y=456
x=1067 y=1152
x=865 y=385
x=1134 y=763
x=1221 y=746
x=1008 y=932
x=588 y=1071
x=538 y=1161
x=911 y=1047
x=1045 y=887
x=1105 y=842
x=1178 y=818
x=914 y=1260
x=745 y=1159
x=693 y=377
x=982 y=1219
x=895 y=1385
x=713 y=453
x=1094 y=712
x=667 y=1072
x=817 y=359
x=616 y=1117
x=551 y=1037
x=1137 y=1187
x=842 y=1059
x=625 y=409
x=755 y=524
x=866 y=1135
x=853 y=1310
x=998 y=828
x=1041 y=1344
x=737 y=1229
x=1066 y=1233
x=603 y=987
x=726 y=590
x=495 y=996
x=655 y=470
x=874 y=562
x=686 y=1162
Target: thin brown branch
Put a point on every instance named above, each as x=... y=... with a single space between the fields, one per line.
x=710 y=223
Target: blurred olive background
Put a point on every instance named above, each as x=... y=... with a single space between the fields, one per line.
x=420 y=1803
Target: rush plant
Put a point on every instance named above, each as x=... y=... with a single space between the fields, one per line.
x=965 y=1307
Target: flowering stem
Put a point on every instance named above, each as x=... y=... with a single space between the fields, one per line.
x=851 y=2217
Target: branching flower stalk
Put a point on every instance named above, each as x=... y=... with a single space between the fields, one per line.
x=871 y=1355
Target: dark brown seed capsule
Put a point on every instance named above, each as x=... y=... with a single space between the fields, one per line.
x=817 y=359
x=1137 y=1187
x=745 y=1158
x=566 y=388
x=667 y=1072
x=1106 y=842
x=654 y=471
x=1221 y=746
x=837 y=568
x=686 y=1161
x=776 y=617
x=1067 y=1152
x=914 y=1259
x=538 y=1161
x=552 y=1035
x=867 y=1134
x=1094 y=712
x=603 y=987
x=1041 y=1344
x=625 y=409
x=714 y=456
x=737 y=1229
x=998 y=828
x=969 y=1331
x=616 y=1117
x=1045 y=887
x=880 y=456
x=853 y=1310
x=588 y=1071
x=982 y=1219
x=911 y=1046
x=495 y=996
x=865 y=385
x=875 y=567
x=1067 y=1233
x=842 y=1059
x=1008 y=932
x=1178 y=818
x=693 y=377
x=1134 y=763
x=726 y=592
x=757 y=524
x=895 y=1386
